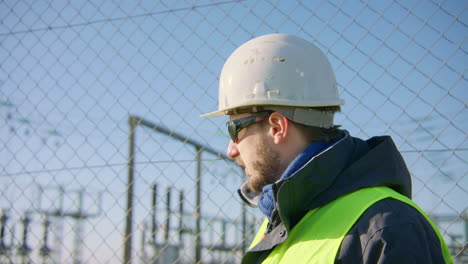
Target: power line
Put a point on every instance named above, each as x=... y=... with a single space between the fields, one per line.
x=103 y=166
x=171 y=10
x=433 y=150
x=108 y=165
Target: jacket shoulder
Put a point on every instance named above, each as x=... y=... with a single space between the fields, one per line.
x=391 y=231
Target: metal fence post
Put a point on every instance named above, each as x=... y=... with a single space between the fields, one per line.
x=198 y=242
x=153 y=213
x=168 y=216
x=129 y=212
x=181 y=218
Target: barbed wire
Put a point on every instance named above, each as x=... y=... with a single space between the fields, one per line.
x=107 y=20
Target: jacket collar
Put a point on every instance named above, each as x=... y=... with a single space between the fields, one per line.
x=343 y=167
x=349 y=165
x=251 y=197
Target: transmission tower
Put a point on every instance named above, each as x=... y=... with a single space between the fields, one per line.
x=79 y=215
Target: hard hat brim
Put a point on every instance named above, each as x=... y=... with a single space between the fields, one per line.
x=284 y=103
x=214 y=114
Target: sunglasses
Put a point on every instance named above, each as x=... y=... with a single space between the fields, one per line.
x=235 y=126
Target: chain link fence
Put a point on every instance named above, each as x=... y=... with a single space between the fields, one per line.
x=103 y=156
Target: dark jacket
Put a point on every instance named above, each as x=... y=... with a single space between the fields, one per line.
x=390 y=231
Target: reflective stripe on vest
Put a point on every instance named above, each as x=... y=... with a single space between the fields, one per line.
x=318 y=236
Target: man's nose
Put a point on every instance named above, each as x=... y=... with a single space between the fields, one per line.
x=232 y=151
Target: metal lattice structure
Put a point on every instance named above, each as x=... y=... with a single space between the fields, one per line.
x=73 y=73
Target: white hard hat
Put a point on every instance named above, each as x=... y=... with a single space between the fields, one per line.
x=278 y=71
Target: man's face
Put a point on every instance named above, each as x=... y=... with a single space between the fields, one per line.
x=253 y=151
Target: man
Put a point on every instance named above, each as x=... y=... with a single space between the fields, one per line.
x=327 y=197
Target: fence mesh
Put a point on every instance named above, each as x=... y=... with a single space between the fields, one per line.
x=104 y=158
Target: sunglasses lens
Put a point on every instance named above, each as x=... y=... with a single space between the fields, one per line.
x=237 y=125
x=232 y=130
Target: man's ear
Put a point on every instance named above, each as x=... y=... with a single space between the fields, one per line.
x=279 y=127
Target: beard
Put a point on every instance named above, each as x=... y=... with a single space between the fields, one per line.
x=266 y=171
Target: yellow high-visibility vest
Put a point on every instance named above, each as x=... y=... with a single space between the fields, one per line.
x=318 y=236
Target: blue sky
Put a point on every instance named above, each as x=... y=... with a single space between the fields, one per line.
x=72 y=73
